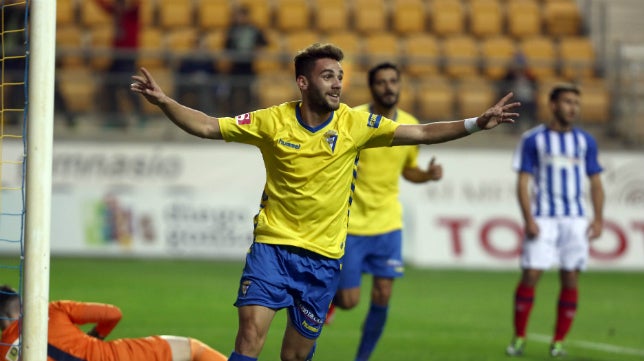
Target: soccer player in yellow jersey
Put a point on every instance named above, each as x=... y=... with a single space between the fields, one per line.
x=374 y=242
x=309 y=149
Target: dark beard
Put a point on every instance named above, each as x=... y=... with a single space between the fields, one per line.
x=387 y=105
x=319 y=104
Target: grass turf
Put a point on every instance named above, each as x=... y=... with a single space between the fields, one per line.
x=446 y=315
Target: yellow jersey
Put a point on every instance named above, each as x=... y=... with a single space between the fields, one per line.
x=376 y=208
x=310 y=172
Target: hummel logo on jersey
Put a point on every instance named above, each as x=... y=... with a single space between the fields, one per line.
x=331 y=137
x=288 y=144
x=243 y=119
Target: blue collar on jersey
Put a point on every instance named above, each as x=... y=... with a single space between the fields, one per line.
x=298 y=115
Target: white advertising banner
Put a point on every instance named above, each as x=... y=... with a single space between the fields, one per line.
x=199 y=199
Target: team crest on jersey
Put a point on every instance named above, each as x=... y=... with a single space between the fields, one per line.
x=243 y=119
x=331 y=138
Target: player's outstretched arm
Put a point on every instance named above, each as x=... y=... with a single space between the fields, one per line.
x=191 y=120
x=439 y=132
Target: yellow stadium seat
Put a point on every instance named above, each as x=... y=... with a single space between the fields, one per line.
x=281 y=88
x=407 y=99
x=562 y=18
x=595 y=101
x=268 y=58
x=69 y=44
x=473 y=95
x=182 y=41
x=523 y=18
x=261 y=12
x=461 y=55
x=349 y=41
x=369 y=16
x=292 y=15
x=496 y=54
x=408 y=16
x=447 y=17
x=297 y=41
x=65 y=12
x=78 y=88
x=147 y=12
x=435 y=99
x=330 y=16
x=92 y=15
x=541 y=56
x=151 y=48
x=379 y=47
x=486 y=18
x=100 y=42
x=214 y=14
x=175 y=14
x=422 y=54
x=577 y=57
x=357 y=92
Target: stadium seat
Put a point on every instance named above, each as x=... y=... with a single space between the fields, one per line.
x=408 y=16
x=447 y=17
x=541 y=56
x=461 y=56
x=523 y=18
x=486 y=18
x=435 y=99
x=261 y=12
x=473 y=95
x=292 y=15
x=78 y=87
x=182 y=41
x=175 y=14
x=577 y=57
x=379 y=47
x=148 y=12
x=561 y=18
x=297 y=41
x=496 y=54
x=69 y=45
x=407 y=99
x=595 y=101
x=370 y=16
x=357 y=91
x=422 y=54
x=100 y=42
x=268 y=58
x=151 y=48
x=282 y=88
x=214 y=40
x=349 y=41
x=330 y=15
x=92 y=15
x=214 y=14
x=65 y=12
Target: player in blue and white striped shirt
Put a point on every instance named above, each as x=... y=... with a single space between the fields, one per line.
x=552 y=161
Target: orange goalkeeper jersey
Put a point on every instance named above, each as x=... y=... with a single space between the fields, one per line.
x=66 y=341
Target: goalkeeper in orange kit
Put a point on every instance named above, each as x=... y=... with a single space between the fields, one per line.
x=66 y=341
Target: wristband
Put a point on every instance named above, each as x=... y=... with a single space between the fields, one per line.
x=470 y=125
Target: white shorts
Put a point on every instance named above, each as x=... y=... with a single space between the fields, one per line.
x=562 y=241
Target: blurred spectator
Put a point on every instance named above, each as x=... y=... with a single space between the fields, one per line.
x=522 y=83
x=243 y=39
x=125 y=44
x=195 y=80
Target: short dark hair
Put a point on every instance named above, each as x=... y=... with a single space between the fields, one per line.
x=563 y=88
x=371 y=75
x=7 y=294
x=305 y=59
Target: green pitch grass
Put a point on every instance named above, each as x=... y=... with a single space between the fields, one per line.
x=435 y=314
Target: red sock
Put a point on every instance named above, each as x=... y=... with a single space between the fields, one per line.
x=566 y=309
x=523 y=300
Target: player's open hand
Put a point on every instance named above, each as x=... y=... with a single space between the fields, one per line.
x=499 y=113
x=145 y=84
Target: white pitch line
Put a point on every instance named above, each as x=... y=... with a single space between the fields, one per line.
x=592 y=345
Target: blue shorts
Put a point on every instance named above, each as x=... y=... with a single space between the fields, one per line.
x=379 y=255
x=302 y=281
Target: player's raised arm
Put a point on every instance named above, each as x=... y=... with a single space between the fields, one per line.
x=191 y=120
x=439 y=132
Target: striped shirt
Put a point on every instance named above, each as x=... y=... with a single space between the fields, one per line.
x=557 y=161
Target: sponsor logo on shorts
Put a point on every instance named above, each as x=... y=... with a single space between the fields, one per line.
x=308 y=314
x=309 y=327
